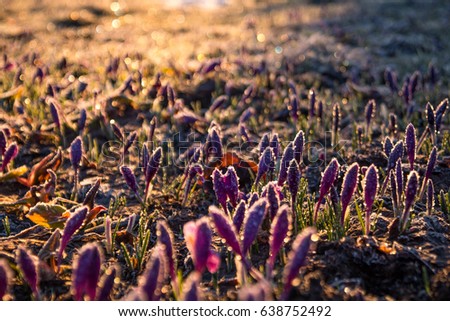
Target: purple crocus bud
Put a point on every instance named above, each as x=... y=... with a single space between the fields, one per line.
x=76 y=152
x=392 y=124
x=86 y=272
x=399 y=177
x=253 y=199
x=293 y=179
x=275 y=145
x=294 y=106
x=279 y=230
x=145 y=157
x=288 y=155
x=239 y=215
x=405 y=91
x=243 y=132
x=410 y=141
x=312 y=103
x=198 y=238
x=413 y=83
x=117 y=131
x=396 y=154
x=165 y=239
x=3 y=142
x=349 y=185
x=387 y=146
x=430 y=167
x=391 y=80
x=328 y=178
x=412 y=186
x=152 y=280
x=260 y=291
x=440 y=113
x=108 y=235
x=225 y=228
x=152 y=127
x=10 y=153
x=231 y=181
x=370 y=113
x=299 y=146
x=73 y=223
x=271 y=194
x=394 y=193
x=107 y=283
x=265 y=164
x=219 y=188
x=264 y=143
x=336 y=123
x=193 y=171
x=370 y=191
x=252 y=222
x=432 y=74
x=320 y=109
x=213 y=146
x=55 y=115
x=90 y=195
x=246 y=114
x=130 y=179
x=82 y=120
x=219 y=102
x=296 y=259
x=191 y=288
x=5 y=278
x=430 y=197
x=130 y=141
x=429 y=110
x=152 y=167
x=28 y=265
